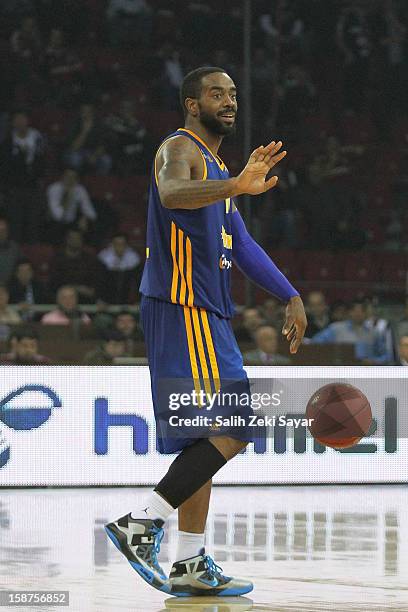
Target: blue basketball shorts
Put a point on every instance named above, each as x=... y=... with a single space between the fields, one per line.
x=199 y=386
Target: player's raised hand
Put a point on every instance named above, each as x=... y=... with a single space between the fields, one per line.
x=253 y=179
x=295 y=324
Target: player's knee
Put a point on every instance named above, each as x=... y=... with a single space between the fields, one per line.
x=229 y=447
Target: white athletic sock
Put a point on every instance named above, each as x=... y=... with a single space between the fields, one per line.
x=155 y=507
x=189 y=545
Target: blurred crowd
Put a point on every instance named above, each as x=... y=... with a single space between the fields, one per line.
x=374 y=339
x=117 y=337
x=90 y=87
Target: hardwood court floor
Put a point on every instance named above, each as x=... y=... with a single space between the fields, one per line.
x=334 y=548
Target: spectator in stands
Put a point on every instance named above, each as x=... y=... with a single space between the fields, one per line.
x=368 y=343
x=74 y=265
x=266 y=352
x=67 y=311
x=126 y=324
x=402 y=324
x=25 y=351
x=25 y=290
x=381 y=326
x=121 y=270
x=355 y=45
x=112 y=346
x=129 y=144
x=298 y=96
x=129 y=22
x=402 y=351
x=338 y=311
x=172 y=76
x=86 y=144
x=272 y=312
x=69 y=206
x=8 y=314
x=62 y=69
x=26 y=41
x=15 y=10
x=22 y=164
x=317 y=313
x=9 y=253
x=251 y=320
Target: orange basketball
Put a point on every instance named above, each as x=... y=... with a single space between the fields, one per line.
x=342 y=415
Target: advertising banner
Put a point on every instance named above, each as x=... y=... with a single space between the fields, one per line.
x=63 y=426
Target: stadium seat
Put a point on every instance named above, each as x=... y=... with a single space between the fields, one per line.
x=359 y=267
x=322 y=266
x=108 y=188
x=40 y=256
x=161 y=123
x=393 y=269
x=356 y=130
x=288 y=262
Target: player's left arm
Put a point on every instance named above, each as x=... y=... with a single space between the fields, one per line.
x=252 y=260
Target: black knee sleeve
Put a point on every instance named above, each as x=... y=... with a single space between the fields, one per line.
x=193 y=467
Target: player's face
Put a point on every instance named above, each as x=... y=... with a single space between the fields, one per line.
x=27 y=348
x=218 y=104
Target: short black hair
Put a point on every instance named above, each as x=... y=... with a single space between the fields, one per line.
x=358 y=302
x=22 y=261
x=25 y=332
x=119 y=234
x=125 y=312
x=112 y=335
x=191 y=85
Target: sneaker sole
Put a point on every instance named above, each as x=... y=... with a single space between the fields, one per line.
x=120 y=541
x=214 y=592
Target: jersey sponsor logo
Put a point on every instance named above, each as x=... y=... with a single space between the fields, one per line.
x=224 y=263
x=226 y=238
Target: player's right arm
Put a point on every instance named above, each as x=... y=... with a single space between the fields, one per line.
x=180 y=166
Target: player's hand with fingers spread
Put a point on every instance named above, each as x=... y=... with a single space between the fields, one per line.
x=295 y=324
x=253 y=179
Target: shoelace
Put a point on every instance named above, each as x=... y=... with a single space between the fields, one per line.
x=150 y=552
x=212 y=568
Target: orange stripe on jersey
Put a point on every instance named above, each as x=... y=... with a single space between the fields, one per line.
x=191 y=350
x=189 y=266
x=175 y=136
x=174 y=281
x=217 y=159
x=204 y=166
x=210 y=349
x=201 y=352
x=182 y=299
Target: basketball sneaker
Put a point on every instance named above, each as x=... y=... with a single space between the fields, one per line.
x=201 y=576
x=139 y=540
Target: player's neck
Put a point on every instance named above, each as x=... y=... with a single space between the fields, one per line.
x=213 y=141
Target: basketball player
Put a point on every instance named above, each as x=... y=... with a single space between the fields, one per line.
x=194 y=232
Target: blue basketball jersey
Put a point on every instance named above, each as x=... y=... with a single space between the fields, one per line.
x=189 y=252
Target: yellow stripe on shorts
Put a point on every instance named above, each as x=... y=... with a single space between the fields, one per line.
x=201 y=352
x=191 y=350
x=210 y=349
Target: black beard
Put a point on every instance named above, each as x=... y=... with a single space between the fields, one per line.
x=215 y=126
